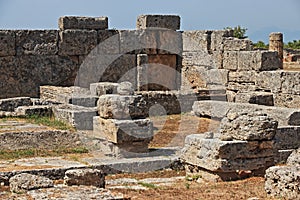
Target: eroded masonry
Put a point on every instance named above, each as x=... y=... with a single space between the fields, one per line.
x=110 y=81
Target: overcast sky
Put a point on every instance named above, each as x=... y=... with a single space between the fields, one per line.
x=260 y=16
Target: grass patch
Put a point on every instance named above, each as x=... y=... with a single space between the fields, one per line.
x=28 y=153
x=148 y=185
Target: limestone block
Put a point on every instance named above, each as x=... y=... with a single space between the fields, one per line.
x=125 y=88
x=241 y=87
x=122 y=107
x=89 y=23
x=230 y=60
x=287 y=100
x=77 y=42
x=234 y=44
x=258 y=61
x=260 y=98
x=196 y=41
x=123 y=68
x=124 y=131
x=40 y=110
x=159 y=74
x=24 y=182
x=250 y=126
x=7 y=43
x=291 y=83
x=217 y=76
x=37 y=42
x=243 y=76
x=283 y=181
x=218 y=109
x=103 y=88
x=226 y=156
x=217 y=39
x=11 y=104
x=287 y=137
x=158 y=21
x=270 y=80
x=230 y=95
x=139 y=41
x=294 y=158
x=198 y=59
x=169 y=42
x=108 y=42
x=89 y=177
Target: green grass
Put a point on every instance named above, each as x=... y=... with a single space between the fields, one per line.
x=28 y=153
x=148 y=185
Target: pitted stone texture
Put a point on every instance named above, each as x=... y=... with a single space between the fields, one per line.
x=89 y=177
x=230 y=60
x=248 y=125
x=37 y=42
x=260 y=98
x=158 y=21
x=24 y=182
x=169 y=42
x=77 y=42
x=39 y=110
x=227 y=156
x=122 y=107
x=196 y=41
x=294 y=158
x=287 y=100
x=125 y=88
x=7 y=43
x=11 y=104
x=103 y=88
x=243 y=76
x=219 y=109
x=234 y=44
x=218 y=37
x=283 y=181
x=124 y=131
x=108 y=42
x=89 y=23
x=258 y=61
x=287 y=137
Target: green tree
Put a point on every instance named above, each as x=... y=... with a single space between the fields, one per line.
x=295 y=44
x=260 y=45
x=238 y=31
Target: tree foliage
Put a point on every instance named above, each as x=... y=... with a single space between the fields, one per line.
x=260 y=45
x=238 y=31
x=295 y=44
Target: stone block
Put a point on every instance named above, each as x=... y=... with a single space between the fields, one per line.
x=291 y=82
x=217 y=39
x=252 y=125
x=198 y=59
x=159 y=74
x=11 y=104
x=230 y=96
x=77 y=116
x=217 y=76
x=234 y=44
x=89 y=23
x=218 y=109
x=294 y=158
x=283 y=182
x=258 y=61
x=169 y=42
x=37 y=42
x=260 y=98
x=103 y=88
x=77 y=42
x=123 y=68
x=287 y=100
x=226 y=156
x=125 y=88
x=40 y=110
x=158 y=21
x=282 y=155
x=241 y=87
x=243 y=76
x=270 y=80
x=122 y=107
x=230 y=60
x=196 y=41
x=108 y=42
x=7 y=43
x=89 y=177
x=287 y=137
x=124 y=131
x=24 y=182
x=139 y=41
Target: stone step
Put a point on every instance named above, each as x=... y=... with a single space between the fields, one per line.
x=77 y=116
x=68 y=95
x=10 y=104
x=34 y=110
x=287 y=137
x=260 y=98
x=219 y=109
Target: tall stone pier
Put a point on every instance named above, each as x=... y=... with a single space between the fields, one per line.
x=276 y=43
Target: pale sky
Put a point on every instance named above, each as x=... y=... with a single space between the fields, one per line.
x=260 y=16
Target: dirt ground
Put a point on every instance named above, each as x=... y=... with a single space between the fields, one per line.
x=171 y=130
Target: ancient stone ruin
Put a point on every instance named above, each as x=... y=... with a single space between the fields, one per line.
x=108 y=82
